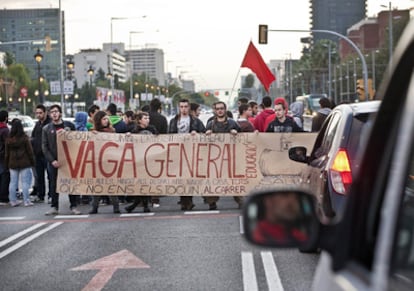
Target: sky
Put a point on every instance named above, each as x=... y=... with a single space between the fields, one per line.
x=202 y=40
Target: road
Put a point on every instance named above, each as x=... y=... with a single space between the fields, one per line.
x=167 y=249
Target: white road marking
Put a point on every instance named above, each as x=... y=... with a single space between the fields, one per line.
x=13 y=218
x=19 y=234
x=202 y=212
x=241 y=225
x=272 y=274
x=71 y=216
x=137 y=214
x=249 y=272
x=28 y=239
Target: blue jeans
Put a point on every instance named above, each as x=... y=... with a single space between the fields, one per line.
x=26 y=176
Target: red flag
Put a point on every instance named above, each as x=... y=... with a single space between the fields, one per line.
x=254 y=61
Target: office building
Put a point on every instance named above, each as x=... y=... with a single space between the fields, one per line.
x=335 y=16
x=24 y=31
x=149 y=61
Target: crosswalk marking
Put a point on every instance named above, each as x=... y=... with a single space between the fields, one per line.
x=21 y=233
x=272 y=274
x=249 y=272
x=28 y=239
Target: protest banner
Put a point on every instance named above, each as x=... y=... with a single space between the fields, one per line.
x=176 y=164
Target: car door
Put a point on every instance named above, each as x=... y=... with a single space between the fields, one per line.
x=363 y=251
x=317 y=174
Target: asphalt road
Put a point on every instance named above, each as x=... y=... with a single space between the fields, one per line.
x=167 y=249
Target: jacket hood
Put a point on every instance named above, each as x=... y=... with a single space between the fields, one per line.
x=81 y=118
x=114 y=119
x=297 y=108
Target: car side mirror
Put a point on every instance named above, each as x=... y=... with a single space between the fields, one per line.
x=298 y=154
x=280 y=218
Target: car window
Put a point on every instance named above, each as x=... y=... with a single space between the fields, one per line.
x=328 y=137
x=403 y=254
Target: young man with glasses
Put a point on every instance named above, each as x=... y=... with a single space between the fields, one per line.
x=39 y=188
x=49 y=148
x=222 y=124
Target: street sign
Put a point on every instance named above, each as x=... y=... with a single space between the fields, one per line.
x=55 y=87
x=67 y=87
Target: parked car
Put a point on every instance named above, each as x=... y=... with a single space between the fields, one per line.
x=372 y=246
x=27 y=121
x=334 y=157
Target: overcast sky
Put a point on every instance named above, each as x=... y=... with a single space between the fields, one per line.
x=202 y=40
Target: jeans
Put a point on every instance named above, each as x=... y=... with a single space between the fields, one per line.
x=26 y=181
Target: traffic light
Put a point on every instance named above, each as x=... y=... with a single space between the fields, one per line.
x=206 y=94
x=48 y=43
x=360 y=89
x=262 y=34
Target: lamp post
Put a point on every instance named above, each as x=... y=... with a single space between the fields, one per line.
x=38 y=58
x=90 y=73
x=390 y=36
x=70 y=65
x=112 y=19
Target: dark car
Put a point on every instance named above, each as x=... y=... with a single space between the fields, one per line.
x=371 y=247
x=334 y=157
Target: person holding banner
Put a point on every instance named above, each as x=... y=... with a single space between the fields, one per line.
x=222 y=124
x=101 y=123
x=49 y=148
x=142 y=127
x=184 y=122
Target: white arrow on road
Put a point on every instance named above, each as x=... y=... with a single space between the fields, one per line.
x=107 y=266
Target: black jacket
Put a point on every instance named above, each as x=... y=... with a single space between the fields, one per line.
x=195 y=125
x=37 y=136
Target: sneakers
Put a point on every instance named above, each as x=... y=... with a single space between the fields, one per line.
x=15 y=203
x=28 y=203
x=75 y=211
x=38 y=200
x=53 y=211
x=155 y=205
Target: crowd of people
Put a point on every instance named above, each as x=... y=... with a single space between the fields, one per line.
x=23 y=158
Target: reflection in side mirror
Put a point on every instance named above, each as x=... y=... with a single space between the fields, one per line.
x=298 y=154
x=280 y=219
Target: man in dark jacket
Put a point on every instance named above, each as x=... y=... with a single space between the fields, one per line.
x=222 y=124
x=49 y=148
x=184 y=122
x=322 y=113
x=4 y=172
x=40 y=164
x=156 y=118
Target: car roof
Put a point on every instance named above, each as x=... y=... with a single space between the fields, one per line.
x=362 y=107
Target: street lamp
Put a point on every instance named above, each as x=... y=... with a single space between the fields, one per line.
x=90 y=73
x=38 y=58
x=70 y=65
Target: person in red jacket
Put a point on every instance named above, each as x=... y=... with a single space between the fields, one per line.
x=259 y=122
x=270 y=118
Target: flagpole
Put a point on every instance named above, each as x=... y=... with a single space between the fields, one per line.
x=232 y=88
